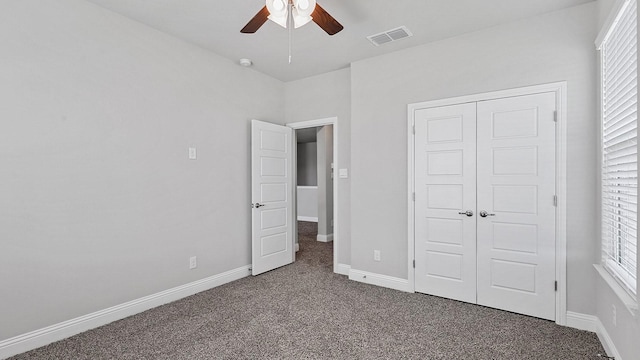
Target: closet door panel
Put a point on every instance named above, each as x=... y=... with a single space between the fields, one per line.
x=516 y=189
x=445 y=178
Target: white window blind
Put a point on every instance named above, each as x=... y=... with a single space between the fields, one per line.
x=619 y=147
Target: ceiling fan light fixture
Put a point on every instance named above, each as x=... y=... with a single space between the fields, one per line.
x=296 y=12
x=300 y=20
x=301 y=11
x=278 y=11
x=277 y=7
x=280 y=20
x=304 y=7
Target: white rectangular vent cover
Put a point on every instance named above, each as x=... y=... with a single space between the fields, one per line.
x=390 y=36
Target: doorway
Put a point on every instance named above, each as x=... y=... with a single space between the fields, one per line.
x=325 y=218
x=314 y=175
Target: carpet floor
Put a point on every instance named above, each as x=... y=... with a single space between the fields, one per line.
x=305 y=311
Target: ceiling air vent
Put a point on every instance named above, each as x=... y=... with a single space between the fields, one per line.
x=390 y=36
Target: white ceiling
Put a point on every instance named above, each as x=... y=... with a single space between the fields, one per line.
x=216 y=24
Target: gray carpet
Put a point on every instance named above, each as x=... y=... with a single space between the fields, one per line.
x=304 y=311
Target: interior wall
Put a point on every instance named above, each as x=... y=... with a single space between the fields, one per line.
x=307 y=161
x=325 y=181
x=553 y=47
x=319 y=97
x=100 y=204
x=625 y=332
x=604 y=8
x=307 y=201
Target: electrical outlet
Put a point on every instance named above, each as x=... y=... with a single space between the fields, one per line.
x=193 y=262
x=376 y=255
x=614 y=319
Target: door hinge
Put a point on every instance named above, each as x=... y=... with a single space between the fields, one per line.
x=555 y=116
x=556 y=285
x=555 y=200
x=414 y=263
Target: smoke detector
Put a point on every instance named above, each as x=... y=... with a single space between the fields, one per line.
x=246 y=62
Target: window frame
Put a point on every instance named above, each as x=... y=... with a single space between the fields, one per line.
x=624 y=276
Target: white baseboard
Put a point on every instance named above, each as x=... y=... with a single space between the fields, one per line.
x=342 y=269
x=593 y=324
x=582 y=321
x=325 y=238
x=307 y=218
x=65 y=329
x=606 y=341
x=380 y=280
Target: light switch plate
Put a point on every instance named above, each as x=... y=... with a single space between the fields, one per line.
x=192 y=153
x=343 y=173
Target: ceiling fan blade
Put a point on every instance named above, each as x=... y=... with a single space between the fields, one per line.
x=325 y=21
x=254 y=24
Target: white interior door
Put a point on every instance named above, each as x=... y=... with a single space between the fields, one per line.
x=516 y=187
x=272 y=196
x=445 y=190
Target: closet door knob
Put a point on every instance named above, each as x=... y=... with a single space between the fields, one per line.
x=485 y=214
x=468 y=213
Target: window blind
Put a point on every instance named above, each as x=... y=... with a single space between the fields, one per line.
x=619 y=147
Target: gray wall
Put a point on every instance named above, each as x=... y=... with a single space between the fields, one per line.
x=307 y=203
x=319 y=97
x=553 y=47
x=325 y=181
x=307 y=160
x=99 y=203
x=626 y=332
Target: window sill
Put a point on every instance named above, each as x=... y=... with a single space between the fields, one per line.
x=630 y=303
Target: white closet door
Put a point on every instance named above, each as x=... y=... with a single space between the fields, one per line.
x=516 y=187
x=445 y=186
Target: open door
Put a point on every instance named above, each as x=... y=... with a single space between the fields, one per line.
x=272 y=197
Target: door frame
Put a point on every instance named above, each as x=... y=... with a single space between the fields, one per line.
x=337 y=268
x=560 y=90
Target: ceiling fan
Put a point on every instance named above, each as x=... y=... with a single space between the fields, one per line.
x=293 y=12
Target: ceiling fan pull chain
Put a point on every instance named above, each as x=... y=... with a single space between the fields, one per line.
x=290 y=26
